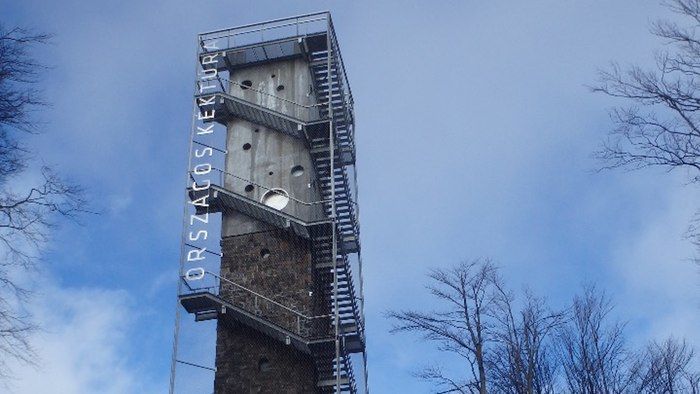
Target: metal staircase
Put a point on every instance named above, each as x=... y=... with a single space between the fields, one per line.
x=333 y=89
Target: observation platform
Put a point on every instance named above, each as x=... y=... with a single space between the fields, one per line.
x=205 y=305
x=221 y=200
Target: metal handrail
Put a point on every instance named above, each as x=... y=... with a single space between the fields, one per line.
x=277 y=97
x=293 y=118
x=340 y=58
x=241 y=29
x=221 y=80
x=220 y=278
x=223 y=172
x=330 y=29
x=213 y=290
x=305 y=111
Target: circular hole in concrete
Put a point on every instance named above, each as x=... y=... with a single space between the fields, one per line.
x=273 y=75
x=246 y=84
x=270 y=173
x=264 y=253
x=275 y=198
x=249 y=188
x=257 y=130
x=246 y=146
x=280 y=88
x=263 y=364
x=297 y=171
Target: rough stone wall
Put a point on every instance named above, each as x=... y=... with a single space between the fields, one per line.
x=278 y=265
x=249 y=362
x=275 y=264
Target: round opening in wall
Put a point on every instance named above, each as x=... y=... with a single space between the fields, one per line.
x=257 y=130
x=249 y=188
x=263 y=364
x=297 y=171
x=246 y=146
x=246 y=84
x=280 y=88
x=275 y=198
x=264 y=253
x=273 y=75
x=270 y=173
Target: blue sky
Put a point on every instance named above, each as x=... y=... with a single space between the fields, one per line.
x=474 y=135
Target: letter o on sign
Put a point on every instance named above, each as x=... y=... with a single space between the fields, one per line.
x=194 y=274
x=202 y=169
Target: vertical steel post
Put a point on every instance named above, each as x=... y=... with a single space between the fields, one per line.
x=331 y=150
x=176 y=334
x=362 y=284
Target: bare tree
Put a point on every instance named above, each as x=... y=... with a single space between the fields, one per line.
x=27 y=214
x=660 y=126
x=592 y=351
x=460 y=326
x=666 y=368
x=521 y=346
x=507 y=349
x=523 y=360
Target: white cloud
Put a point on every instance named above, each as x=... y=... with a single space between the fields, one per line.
x=659 y=283
x=82 y=347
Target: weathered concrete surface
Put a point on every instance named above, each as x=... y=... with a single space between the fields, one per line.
x=262 y=159
x=284 y=86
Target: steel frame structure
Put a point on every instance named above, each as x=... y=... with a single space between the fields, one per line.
x=327 y=129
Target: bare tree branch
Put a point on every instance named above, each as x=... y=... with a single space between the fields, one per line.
x=591 y=347
x=666 y=368
x=521 y=346
x=27 y=217
x=461 y=327
x=659 y=126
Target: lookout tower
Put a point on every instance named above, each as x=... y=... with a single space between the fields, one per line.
x=270 y=297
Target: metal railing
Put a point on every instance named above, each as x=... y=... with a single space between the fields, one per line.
x=268 y=30
x=307 y=211
x=199 y=280
x=303 y=113
x=292 y=27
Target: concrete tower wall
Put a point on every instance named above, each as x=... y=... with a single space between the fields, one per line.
x=262 y=159
x=269 y=261
x=284 y=86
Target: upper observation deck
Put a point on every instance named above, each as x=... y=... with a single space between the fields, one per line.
x=310 y=37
